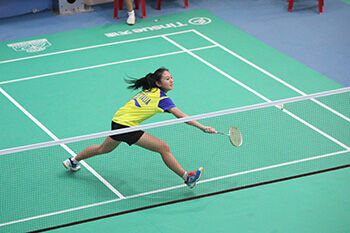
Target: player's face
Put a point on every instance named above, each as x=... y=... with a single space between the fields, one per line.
x=166 y=82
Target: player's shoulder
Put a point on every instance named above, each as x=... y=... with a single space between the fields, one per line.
x=155 y=92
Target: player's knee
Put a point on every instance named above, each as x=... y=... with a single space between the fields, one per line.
x=164 y=148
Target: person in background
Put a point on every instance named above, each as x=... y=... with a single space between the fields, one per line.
x=131 y=13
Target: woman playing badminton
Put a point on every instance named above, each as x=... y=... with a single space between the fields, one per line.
x=150 y=101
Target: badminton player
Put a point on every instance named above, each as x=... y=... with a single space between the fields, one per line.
x=150 y=101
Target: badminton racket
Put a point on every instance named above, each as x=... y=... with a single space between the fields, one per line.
x=234 y=135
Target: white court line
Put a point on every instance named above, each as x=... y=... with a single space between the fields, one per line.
x=316 y=129
x=59 y=212
x=255 y=92
x=47 y=131
x=270 y=75
x=102 y=65
x=174 y=187
x=91 y=47
x=274 y=166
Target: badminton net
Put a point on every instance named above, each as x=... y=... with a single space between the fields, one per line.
x=281 y=139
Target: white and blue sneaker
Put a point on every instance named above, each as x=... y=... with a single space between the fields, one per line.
x=193 y=177
x=69 y=164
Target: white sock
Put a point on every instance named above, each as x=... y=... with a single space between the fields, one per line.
x=184 y=176
x=131 y=13
x=75 y=161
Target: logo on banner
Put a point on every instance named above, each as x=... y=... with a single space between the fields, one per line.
x=199 y=21
x=193 y=21
x=30 y=46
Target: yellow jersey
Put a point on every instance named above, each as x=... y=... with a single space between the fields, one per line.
x=143 y=106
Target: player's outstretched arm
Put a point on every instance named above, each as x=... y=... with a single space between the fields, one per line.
x=179 y=114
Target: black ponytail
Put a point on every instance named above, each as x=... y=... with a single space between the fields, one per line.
x=148 y=82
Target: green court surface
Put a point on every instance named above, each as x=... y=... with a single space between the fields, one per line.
x=74 y=85
x=293 y=210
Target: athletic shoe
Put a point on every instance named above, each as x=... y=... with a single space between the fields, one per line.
x=131 y=20
x=193 y=177
x=68 y=163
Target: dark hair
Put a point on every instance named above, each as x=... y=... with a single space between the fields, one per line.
x=148 y=82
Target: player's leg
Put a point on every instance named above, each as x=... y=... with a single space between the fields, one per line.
x=107 y=146
x=149 y=142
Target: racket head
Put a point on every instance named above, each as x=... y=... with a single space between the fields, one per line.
x=235 y=136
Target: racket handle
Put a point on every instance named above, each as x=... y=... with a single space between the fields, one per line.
x=222 y=133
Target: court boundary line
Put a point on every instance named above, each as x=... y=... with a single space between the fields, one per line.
x=174 y=33
x=164 y=36
x=194 y=198
x=92 y=47
x=256 y=93
x=175 y=187
x=65 y=147
x=101 y=65
x=269 y=74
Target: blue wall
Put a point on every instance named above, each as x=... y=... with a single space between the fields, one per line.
x=10 y=8
x=320 y=42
